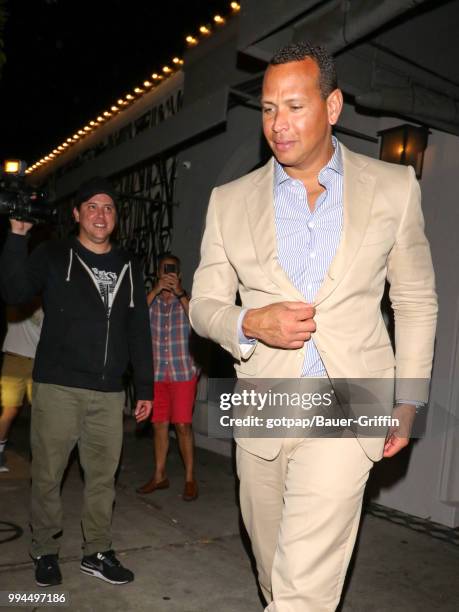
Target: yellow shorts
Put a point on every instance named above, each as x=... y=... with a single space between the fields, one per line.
x=16 y=380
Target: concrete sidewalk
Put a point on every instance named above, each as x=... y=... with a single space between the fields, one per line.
x=190 y=557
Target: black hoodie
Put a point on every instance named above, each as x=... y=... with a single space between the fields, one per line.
x=82 y=344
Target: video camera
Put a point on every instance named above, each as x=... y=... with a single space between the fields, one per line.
x=20 y=201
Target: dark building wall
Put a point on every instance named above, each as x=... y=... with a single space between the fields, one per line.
x=221 y=158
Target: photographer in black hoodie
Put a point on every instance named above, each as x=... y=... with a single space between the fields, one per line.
x=96 y=322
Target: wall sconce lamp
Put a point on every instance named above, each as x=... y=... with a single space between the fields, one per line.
x=404 y=144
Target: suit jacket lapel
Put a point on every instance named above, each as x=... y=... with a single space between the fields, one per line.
x=358 y=192
x=260 y=209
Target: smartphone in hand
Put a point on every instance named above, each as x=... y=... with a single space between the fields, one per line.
x=170 y=268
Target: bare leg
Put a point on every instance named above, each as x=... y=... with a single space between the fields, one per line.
x=186 y=444
x=7 y=417
x=161 y=446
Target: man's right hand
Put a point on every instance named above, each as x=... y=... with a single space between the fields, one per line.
x=286 y=325
x=20 y=227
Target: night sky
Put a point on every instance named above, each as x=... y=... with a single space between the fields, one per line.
x=69 y=59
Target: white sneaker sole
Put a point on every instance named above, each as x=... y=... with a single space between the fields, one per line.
x=97 y=574
x=47 y=584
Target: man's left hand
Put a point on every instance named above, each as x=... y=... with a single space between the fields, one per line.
x=399 y=435
x=142 y=410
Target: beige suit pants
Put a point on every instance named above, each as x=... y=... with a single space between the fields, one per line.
x=302 y=511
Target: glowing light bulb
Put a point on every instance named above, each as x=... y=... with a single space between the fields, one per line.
x=204 y=30
x=219 y=19
x=191 y=40
x=235 y=6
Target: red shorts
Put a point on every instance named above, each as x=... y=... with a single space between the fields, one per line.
x=173 y=401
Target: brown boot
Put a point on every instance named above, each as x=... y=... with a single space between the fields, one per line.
x=152 y=485
x=190 y=492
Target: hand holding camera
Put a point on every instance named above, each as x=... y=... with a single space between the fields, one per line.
x=20 y=227
x=169 y=281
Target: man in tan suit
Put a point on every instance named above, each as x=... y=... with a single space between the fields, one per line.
x=309 y=240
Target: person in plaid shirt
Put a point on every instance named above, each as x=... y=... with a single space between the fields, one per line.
x=175 y=375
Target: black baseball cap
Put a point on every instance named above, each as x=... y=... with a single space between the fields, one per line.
x=93 y=186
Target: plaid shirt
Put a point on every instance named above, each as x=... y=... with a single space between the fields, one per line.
x=170 y=332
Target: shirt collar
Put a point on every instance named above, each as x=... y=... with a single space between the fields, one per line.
x=335 y=163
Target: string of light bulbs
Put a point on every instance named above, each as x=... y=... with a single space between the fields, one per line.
x=122 y=103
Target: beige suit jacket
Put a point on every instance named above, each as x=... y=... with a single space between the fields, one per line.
x=382 y=238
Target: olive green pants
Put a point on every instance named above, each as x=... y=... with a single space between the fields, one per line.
x=61 y=418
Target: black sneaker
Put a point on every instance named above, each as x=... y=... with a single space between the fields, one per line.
x=106 y=566
x=47 y=572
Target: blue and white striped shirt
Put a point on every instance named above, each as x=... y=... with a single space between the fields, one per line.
x=307 y=241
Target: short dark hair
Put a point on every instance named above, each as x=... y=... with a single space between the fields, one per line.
x=296 y=52
x=164 y=256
